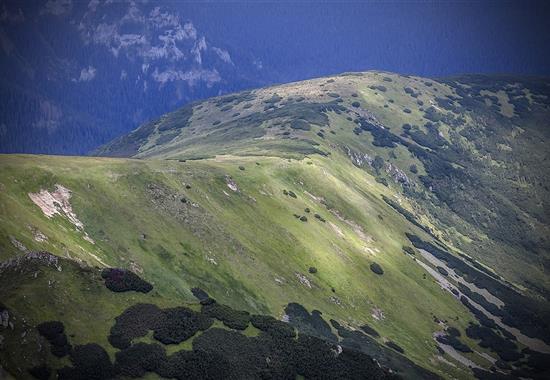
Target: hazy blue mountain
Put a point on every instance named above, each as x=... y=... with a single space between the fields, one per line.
x=78 y=74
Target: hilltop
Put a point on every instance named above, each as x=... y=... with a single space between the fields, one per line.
x=397 y=217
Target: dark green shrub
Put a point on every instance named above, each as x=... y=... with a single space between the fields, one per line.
x=370 y=331
x=354 y=95
x=356 y=104
x=376 y=268
x=303 y=218
x=241 y=167
x=274 y=99
x=41 y=372
x=199 y=294
x=122 y=280
x=54 y=332
x=134 y=322
x=406 y=110
x=272 y=326
x=216 y=122
x=300 y=124
x=312 y=270
x=378 y=163
x=90 y=361
x=505 y=348
x=378 y=87
x=382 y=180
x=196 y=364
x=454 y=342
x=395 y=346
x=235 y=319
x=306 y=323
x=138 y=359
x=413 y=169
x=409 y=250
x=411 y=92
x=319 y=217
x=307 y=210
x=179 y=324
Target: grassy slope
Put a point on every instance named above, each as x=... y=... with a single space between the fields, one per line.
x=110 y=197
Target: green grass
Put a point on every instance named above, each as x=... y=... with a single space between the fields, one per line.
x=251 y=235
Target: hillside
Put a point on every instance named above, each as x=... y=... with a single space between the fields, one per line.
x=399 y=218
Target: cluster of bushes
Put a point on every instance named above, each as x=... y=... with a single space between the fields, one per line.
x=54 y=332
x=41 y=372
x=276 y=352
x=169 y=326
x=122 y=280
x=300 y=124
x=236 y=99
x=518 y=311
x=505 y=348
x=405 y=213
x=381 y=137
x=270 y=325
x=235 y=319
x=309 y=323
x=357 y=340
x=179 y=324
x=139 y=358
x=89 y=361
x=431 y=140
x=452 y=339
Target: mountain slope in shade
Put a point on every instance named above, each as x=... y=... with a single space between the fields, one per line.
x=397 y=217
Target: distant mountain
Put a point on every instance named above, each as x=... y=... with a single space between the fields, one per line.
x=360 y=226
x=77 y=74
